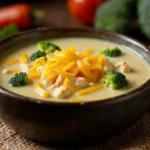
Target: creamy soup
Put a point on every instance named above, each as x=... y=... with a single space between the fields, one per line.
x=139 y=74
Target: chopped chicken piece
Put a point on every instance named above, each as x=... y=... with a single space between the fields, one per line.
x=6 y=71
x=24 y=67
x=39 y=68
x=91 y=83
x=107 y=65
x=59 y=81
x=80 y=82
x=61 y=92
x=123 y=67
x=45 y=82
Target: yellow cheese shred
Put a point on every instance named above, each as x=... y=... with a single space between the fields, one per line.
x=101 y=59
x=52 y=77
x=85 y=53
x=70 y=55
x=11 y=62
x=86 y=71
x=38 y=84
x=43 y=93
x=14 y=70
x=40 y=61
x=24 y=58
x=77 y=100
x=70 y=86
x=36 y=75
x=68 y=64
x=89 y=90
x=65 y=74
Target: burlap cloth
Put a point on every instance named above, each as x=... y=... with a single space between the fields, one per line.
x=135 y=138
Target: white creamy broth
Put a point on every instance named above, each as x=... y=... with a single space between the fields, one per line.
x=139 y=75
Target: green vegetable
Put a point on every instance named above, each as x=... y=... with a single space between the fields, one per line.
x=47 y=47
x=115 y=80
x=20 y=79
x=8 y=31
x=44 y=48
x=144 y=16
x=115 y=15
x=114 y=52
x=37 y=54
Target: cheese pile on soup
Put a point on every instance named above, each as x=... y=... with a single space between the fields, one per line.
x=72 y=70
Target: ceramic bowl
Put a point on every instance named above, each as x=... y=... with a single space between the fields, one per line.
x=55 y=122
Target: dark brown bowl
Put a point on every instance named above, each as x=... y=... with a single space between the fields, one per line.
x=72 y=122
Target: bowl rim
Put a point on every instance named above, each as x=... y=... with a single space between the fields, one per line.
x=114 y=99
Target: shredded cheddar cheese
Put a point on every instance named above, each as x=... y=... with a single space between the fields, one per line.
x=52 y=77
x=70 y=86
x=35 y=75
x=11 y=62
x=24 y=58
x=77 y=100
x=85 y=53
x=41 y=91
x=70 y=64
x=70 y=67
x=89 y=90
x=14 y=70
x=38 y=84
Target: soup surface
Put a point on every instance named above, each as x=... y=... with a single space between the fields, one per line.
x=140 y=69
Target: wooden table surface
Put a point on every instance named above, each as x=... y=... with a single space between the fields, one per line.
x=56 y=14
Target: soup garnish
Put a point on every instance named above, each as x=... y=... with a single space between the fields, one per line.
x=111 y=52
x=37 y=55
x=61 y=73
x=20 y=79
x=115 y=80
x=47 y=47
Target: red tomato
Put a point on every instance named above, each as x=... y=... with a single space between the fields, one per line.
x=17 y=13
x=84 y=10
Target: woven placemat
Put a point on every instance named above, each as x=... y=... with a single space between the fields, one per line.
x=135 y=138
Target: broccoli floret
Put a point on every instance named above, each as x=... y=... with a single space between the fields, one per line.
x=37 y=54
x=20 y=79
x=115 y=80
x=47 y=47
x=8 y=31
x=144 y=16
x=114 y=52
x=115 y=15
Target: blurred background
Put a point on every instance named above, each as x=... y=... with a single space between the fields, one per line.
x=55 y=11
x=130 y=17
